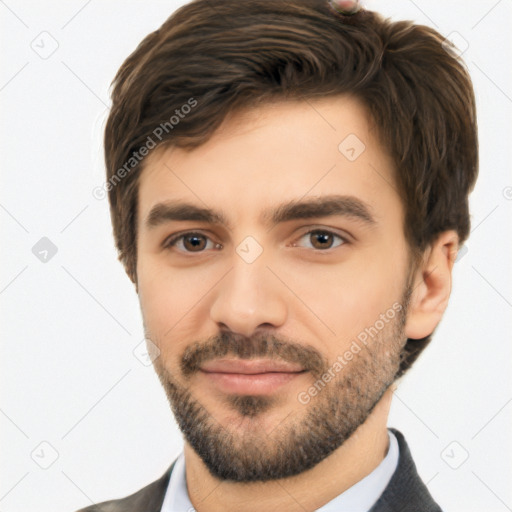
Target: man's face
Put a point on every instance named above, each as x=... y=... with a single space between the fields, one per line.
x=279 y=326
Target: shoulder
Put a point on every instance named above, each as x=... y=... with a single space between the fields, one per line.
x=149 y=498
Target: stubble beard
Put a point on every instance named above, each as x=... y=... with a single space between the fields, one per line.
x=305 y=437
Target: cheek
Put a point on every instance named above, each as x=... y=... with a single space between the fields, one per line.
x=377 y=294
x=170 y=299
x=350 y=296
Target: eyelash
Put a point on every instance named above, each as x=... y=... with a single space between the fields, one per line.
x=172 y=240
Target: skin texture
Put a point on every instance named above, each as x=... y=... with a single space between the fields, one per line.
x=304 y=299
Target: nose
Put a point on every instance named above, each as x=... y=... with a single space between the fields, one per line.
x=248 y=298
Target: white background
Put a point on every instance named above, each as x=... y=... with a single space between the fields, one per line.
x=69 y=376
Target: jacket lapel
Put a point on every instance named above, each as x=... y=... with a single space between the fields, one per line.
x=405 y=491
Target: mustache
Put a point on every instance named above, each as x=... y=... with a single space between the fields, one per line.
x=258 y=346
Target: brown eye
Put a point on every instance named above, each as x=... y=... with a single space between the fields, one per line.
x=190 y=243
x=194 y=242
x=321 y=239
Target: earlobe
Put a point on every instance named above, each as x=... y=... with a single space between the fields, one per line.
x=431 y=287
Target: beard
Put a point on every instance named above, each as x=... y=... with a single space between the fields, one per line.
x=301 y=440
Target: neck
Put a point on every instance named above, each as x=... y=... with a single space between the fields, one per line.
x=356 y=458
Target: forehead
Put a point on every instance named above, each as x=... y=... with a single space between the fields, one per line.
x=277 y=153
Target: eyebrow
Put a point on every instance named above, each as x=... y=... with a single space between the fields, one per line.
x=324 y=206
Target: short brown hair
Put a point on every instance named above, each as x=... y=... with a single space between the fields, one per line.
x=216 y=58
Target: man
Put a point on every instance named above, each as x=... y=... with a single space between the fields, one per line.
x=288 y=184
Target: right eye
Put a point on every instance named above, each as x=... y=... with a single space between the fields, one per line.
x=190 y=242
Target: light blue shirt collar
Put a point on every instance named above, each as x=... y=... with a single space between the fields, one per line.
x=358 y=498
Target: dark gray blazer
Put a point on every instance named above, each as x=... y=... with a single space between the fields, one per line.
x=404 y=493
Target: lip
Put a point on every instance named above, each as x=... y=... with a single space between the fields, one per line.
x=250 y=366
x=253 y=377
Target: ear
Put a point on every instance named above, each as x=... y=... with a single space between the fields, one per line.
x=432 y=286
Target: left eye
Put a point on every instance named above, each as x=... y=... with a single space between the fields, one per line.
x=322 y=239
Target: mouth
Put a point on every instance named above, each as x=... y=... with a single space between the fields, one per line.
x=251 y=377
